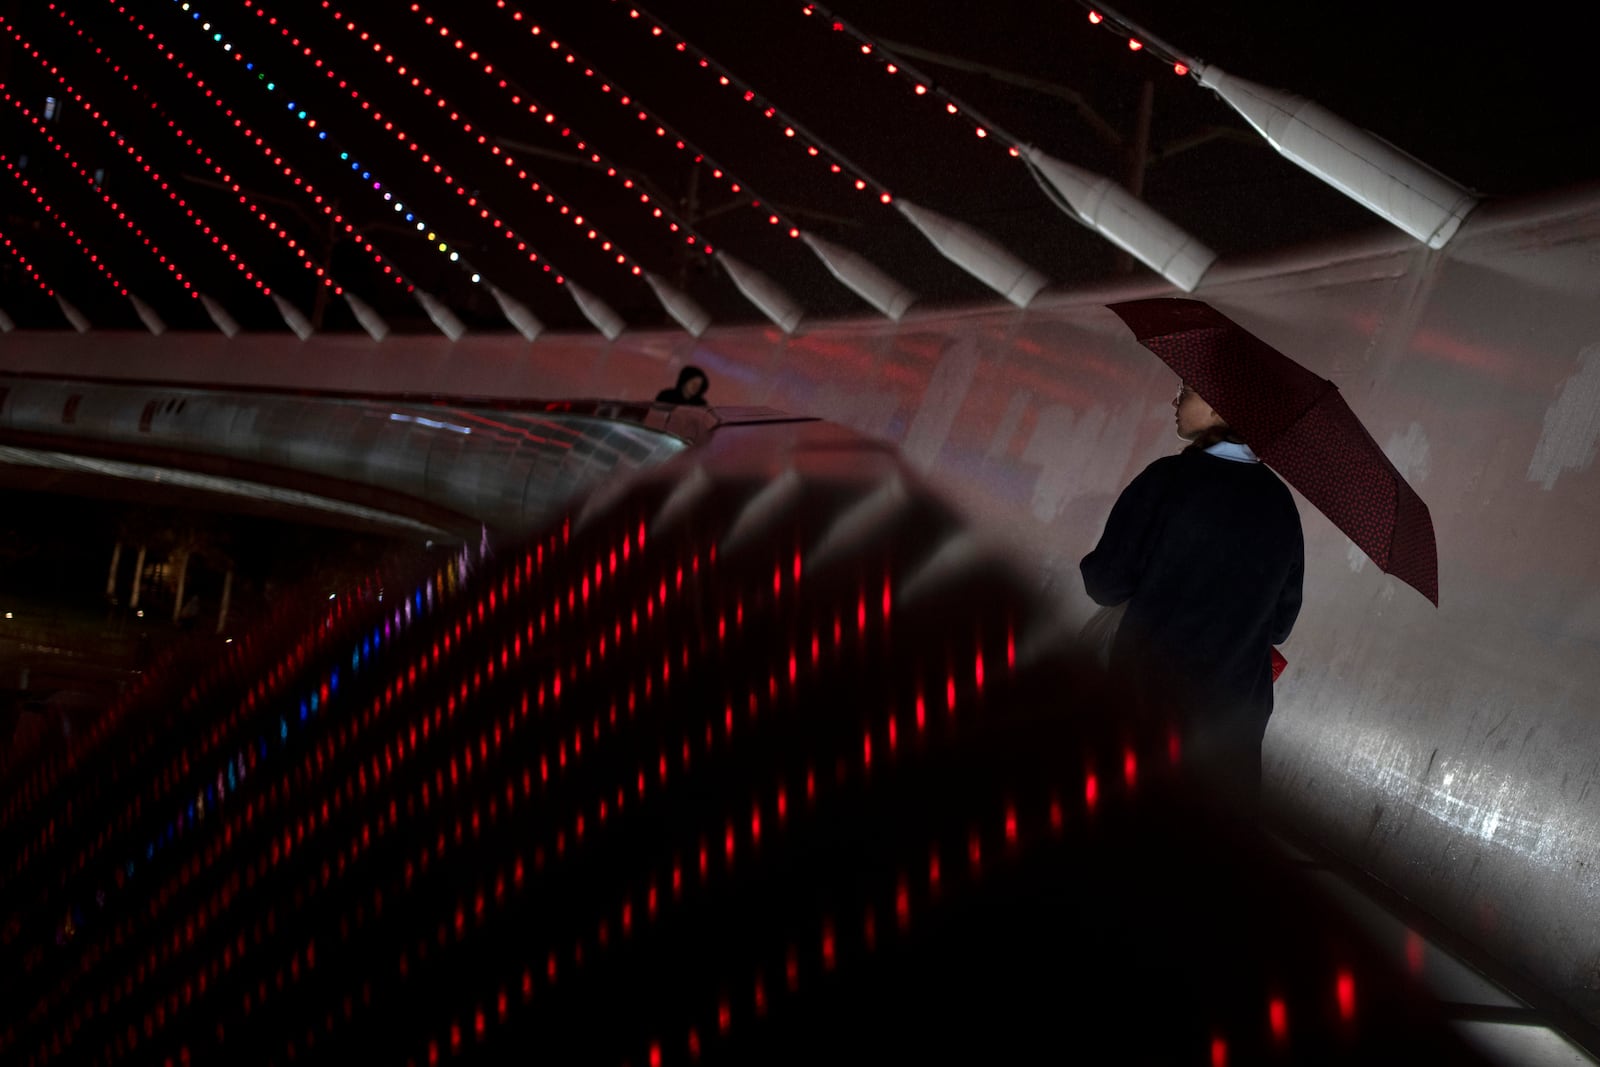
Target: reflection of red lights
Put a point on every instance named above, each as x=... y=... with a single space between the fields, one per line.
x=1416 y=952
x=1219 y=1052
x=1346 y=990
x=1091 y=791
x=1278 y=1018
x=1130 y=768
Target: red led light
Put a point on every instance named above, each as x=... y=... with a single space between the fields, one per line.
x=1345 y=989
x=1134 y=44
x=1278 y=1018
x=1095 y=17
x=22 y=259
x=1180 y=69
x=1219 y=1052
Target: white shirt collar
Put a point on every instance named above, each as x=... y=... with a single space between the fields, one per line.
x=1237 y=451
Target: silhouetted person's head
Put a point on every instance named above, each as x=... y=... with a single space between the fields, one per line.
x=691 y=388
x=692 y=382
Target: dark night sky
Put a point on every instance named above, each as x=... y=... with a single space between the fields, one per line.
x=1495 y=104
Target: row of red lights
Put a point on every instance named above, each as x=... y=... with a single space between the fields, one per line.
x=663 y=129
x=920 y=86
x=159 y=898
x=250 y=135
x=1179 y=67
x=561 y=762
x=22 y=259
x=277 y=230
x=400 y=135
x=548 y=197
x=44 y=204
x=385 y=701
x=162 y=896
x=308 y=953
x=149 y=171
x=520 y=98
x=213 y=852
x=791 y=127
x=483 y=742
x=30 y=793
x=63 y=813
x=162 y=782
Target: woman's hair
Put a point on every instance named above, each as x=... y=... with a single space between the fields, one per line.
x=1213 y=435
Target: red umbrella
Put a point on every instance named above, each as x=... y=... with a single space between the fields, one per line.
x=1299 y=424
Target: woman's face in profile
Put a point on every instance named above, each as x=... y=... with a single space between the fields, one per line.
x=1194 y=415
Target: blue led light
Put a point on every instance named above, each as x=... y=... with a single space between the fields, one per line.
x=249 y=66
x=333 y=682
x=322 y=135
x=304 y=711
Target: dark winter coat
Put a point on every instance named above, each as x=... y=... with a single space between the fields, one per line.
x=1208 y=554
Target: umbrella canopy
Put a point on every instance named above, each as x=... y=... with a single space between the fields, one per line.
x=1298 y=423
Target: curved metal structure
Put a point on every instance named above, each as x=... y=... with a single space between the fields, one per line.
x=436 y=468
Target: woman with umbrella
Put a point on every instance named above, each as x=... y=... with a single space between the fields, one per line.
x=1205 y=549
